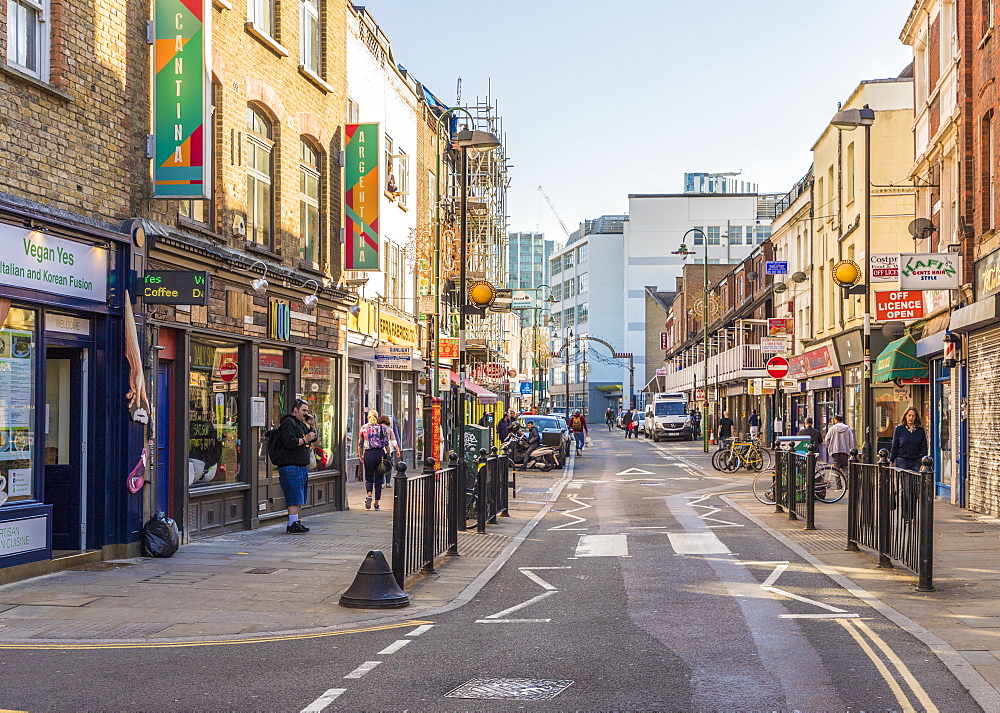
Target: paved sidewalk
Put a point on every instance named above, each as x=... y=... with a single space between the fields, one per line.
x=254 y=583
x=964 y=611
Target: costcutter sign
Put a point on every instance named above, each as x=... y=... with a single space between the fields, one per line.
x=885 y=267
x=361 y=201
x=42 y=262
x=181 y=104
x=899 y=305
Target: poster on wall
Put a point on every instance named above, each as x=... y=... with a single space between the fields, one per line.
x=17 y=404
x=361 y=200
x=182 y=124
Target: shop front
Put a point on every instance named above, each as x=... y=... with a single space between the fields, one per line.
x=66 y=439
x=818 y=373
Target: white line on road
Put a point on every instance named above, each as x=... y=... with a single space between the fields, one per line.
x=363 y=669
x=602 y=546
x=394 y=647
x=821 y=605
x=697 y=543
x=522 y=605
x=421 y=629
x=773 y=577
x=513 y=621
x=323 y=701
x=535 y=578
x=818 y=616
x=576 y=519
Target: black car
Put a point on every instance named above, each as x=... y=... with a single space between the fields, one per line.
x=554 y=432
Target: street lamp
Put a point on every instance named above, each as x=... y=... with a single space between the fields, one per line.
x=848 y=120
x=704 y=303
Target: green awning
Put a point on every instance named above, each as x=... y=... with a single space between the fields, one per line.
x=609 y=387
x=899 y=360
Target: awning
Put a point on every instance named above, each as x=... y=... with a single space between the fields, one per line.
x=484 y=396
x=609 y=387
x=899 y=360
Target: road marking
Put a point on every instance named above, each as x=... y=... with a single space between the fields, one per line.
x=773 y=577
x=711 y=511
x=847 y=615
x=363 y=669
x=910 y=679
x=535 y=578
x=897 y=691
x=323 y=701
x=799 y=598
x=602 y=546
x=697 y=543
x=635 y=471
x=421 y=629
x=513 y=621
x=576 y=519
x=522 y=605
x=394 y=647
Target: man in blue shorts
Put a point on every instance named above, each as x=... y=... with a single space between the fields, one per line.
x=289 y=450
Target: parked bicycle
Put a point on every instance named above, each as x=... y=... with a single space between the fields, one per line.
x=829 y=485
x=741 y=453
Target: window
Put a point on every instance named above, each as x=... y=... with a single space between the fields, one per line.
x=17 y=406
x=569 y=317
x=582 y=283
x=390 y=179
x=310 y=39
x=309 y=225
x=582 y=254
x=260 y=178
x=569 y=288
x=986 y=171
x=850 y=171
x=353 y=112
x=735 y=234
x=402 y=176
x=582 y=314
x=261 y=14
x=820 y=187
x=28 y=36
x=202 y=211
x=831 y=187
x=318 y=381
x=193 y=210
x=213 y=423
x=763 y=233
x=557 y=292
x=699 y=235
x=568 y=259
x=712 y=235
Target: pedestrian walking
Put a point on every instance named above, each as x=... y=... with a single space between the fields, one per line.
x=393 y=445
x=289 y=450
x=754 y=424
x=909 y=442
x=578 y=427
x=503 y=427
x=609 y=418
x=815 y=437
x=629 y=422
x=839 y=442
x=696 y=421
x=373 y=439
x=725 y=427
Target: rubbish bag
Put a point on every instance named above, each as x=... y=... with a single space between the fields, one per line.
x=160 y=536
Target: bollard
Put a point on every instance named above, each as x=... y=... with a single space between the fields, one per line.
x=461 y=470
x=456 y=500
x=853 y=501
x=777 y=489
x=884 y=508
x=811 y=487
x=791 y=481
x=926 y=515
x=482 y=491
x=399 y=497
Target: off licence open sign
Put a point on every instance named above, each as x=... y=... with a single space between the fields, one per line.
x=899 y=305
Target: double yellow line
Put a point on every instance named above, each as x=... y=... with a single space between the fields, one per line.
x=862 y=634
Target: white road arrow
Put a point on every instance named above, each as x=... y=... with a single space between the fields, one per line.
x=634 y=471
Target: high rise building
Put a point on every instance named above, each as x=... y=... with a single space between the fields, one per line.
x=528 y=260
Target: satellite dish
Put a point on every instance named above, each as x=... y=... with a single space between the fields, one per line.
x=753 y=276
x=780 y=287
x=921 y=228
x=799 y=277
x=893 y=330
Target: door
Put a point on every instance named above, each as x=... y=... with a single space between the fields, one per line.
x=66 y=445
x=269 y=496
x=163 y=386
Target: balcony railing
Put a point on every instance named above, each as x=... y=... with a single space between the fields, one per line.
x=744 y=361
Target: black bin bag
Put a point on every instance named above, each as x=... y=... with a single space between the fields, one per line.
x=160 y=536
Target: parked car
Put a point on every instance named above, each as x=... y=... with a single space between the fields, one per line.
x=558 y=413
x=554 y=432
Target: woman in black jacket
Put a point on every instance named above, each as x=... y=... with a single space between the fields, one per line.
x=909 y=442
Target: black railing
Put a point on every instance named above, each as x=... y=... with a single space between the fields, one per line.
x=424 y=518
x=794 y=482
x=491 y=488
x=891 y=510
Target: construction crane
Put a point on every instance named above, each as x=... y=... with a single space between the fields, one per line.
x=555 y=211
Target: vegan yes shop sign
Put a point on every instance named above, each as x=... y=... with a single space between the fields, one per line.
x=38 y=261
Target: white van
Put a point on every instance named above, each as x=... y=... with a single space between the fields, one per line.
x=667 y=417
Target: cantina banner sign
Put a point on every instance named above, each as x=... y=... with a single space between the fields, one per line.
x=181 y=105
x=362 y=197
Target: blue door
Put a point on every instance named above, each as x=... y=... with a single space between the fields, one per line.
x=163 y=438
x=65 y=446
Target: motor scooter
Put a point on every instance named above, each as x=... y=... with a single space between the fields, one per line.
x=516 y=446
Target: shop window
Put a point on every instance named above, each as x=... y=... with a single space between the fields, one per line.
x=318 y=389
x=17 y=403
x=353 y=407
x=213 y=457
x=309 y=191
x=260 y=178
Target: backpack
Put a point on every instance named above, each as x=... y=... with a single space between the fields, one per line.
x=267 y=443
x=378 y=438
x=576 y=422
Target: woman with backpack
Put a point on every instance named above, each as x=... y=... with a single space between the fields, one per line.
x=393 y=444
x=373 y=439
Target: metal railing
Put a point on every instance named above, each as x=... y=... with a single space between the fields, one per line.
x=424 y=518
x=891 y=510
x=491 y=488
x=795 y=484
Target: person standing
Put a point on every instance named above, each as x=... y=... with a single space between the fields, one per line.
x=578 y=426
x=696 y=421
x=393 y=444
x=503 y=427
x=815 y=437
x=909 y=442
x=754 y=424
x=373 y=439
x=839 y=442
x=290 y=451
x=725 y=427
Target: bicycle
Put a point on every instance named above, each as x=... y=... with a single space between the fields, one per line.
x=738 y=454
x=829 y=485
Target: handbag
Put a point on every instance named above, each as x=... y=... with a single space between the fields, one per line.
x=385 y=466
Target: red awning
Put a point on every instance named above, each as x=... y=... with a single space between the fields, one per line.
x=483 y=396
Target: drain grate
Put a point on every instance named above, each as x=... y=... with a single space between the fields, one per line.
x=261 y=570
x=510 y=689
x=534 y=490
x=176 y=578
x=481 y=545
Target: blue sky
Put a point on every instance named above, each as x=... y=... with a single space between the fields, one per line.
x=601 y=99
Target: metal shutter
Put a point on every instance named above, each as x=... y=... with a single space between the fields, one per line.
x=983 y=421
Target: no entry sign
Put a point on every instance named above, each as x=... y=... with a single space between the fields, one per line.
x=777 y=367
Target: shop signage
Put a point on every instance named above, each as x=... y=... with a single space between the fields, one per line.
x=279 y=323
x=449 y=348
x=396 y=330
x=526 y=388
x=815 y=362
x=899 y=305
x=662 y=371
x=885 y=267
x=776 y=267
x=773 y=345
x=779 y=326
x=267 y=360
x=361 y=202
x=181 y=108
x=521 y=300
x=770 y=384
x=390 y=357
x=258 y=411
x=755 y=387
x=664 y=341
x=988 y=275
x=929 y=271
x=26 y=535
x=175 y=287
x=436 y=428
x=64 y=324
x=37 y=261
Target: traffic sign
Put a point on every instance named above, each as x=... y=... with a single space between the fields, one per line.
x=777 y=367
x=526 y=388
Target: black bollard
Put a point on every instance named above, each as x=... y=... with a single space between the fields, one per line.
x=811 y=487
x=374 y=586
x=926 y=524
x=853 y=501
x=400 y=500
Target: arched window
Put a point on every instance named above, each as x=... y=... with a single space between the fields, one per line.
x=309 y=192
x=260 y=178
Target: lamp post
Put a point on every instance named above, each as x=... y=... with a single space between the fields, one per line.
x=848 y=120
x=535 y=361
x=704 y=303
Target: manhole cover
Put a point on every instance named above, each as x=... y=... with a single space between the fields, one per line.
x=510 y=689
x=261 y=570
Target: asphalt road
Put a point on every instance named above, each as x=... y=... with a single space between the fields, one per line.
x=640 y=590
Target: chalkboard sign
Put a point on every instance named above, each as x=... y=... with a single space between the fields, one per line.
x=175 y=287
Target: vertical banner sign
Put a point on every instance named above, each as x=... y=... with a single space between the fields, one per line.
x=362 y=199
x=181 y=105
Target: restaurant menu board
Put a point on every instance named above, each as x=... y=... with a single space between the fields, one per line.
x=17 y=358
